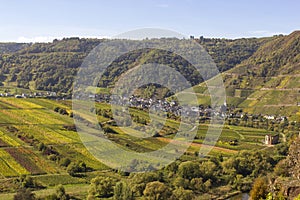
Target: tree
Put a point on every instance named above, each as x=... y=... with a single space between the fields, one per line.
x=156 y=191
x=282 y=168
x=61 y=193
x=56 y=109
x=282 y=149
x=208 y=170
x=139 y=181
x=197 y=184
x=293 y=159
x=63 y=111
x=71 y=114
x=41 y=146
x=101 y=187
x=230 y=166
x=27 y=182
x=24 y=194
x=122 y=191
x=189 y=170
x=65 y=162
x=181 y=182
x=207 y=184
x=182 y=194
x=259 y=189
x=75 y=168
x=72 y=169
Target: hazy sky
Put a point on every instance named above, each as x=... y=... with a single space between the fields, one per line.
x=44 y=20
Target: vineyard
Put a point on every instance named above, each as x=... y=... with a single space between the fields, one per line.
x=38 y=138
x=28 y=123
x=9 y=166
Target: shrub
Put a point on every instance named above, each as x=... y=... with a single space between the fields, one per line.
x=63 y=111
x=122 y=191
x=157 y=190
x=24 y=194
x=182 y=194
x=71 y=127
x=53 y=157
x=27 y=182
x=75 y=168
x=56 y=109
x=60 y=193
x=65 y=162
x=41 y=146
x=101 y=187
x=259 y=189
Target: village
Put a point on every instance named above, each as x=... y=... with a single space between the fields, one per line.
x=203 y=113
x=31 y=95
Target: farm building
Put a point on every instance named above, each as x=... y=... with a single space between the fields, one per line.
x=271 y=139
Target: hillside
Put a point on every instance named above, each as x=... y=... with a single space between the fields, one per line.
x=228 y=53
x=52 y=66
x=280 y=56
x=258 y=73
x=11 y=47
x=268 y=82
x=45 y=66
x=38 y=139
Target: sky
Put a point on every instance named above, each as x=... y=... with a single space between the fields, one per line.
x=45 y=20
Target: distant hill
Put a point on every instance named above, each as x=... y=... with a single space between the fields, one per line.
x=11 y=47
x=45 y=66
x=52 y=66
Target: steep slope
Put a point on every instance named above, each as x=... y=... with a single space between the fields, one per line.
x=228 y=53
x=269 y=81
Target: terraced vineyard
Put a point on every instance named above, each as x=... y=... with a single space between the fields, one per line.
x=35 y=140
x=9 y=166
x=27 y=122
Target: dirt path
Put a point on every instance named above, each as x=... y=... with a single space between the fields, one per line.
x=240 y=135
x=280 y=105
x=280 y=89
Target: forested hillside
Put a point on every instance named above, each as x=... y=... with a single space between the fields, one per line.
x=45 y=66
x=228 y=53
x=52 y=66
x=12 y=47
x=258 y=72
